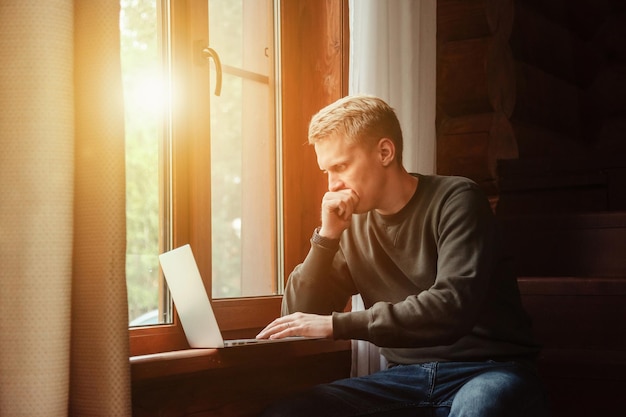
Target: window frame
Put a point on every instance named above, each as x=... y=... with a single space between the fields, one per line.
x=314 y=50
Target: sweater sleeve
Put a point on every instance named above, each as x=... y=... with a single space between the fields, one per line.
x=463 y=232
x=321 y=284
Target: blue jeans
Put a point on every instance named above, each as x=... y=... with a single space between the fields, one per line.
x=467 y=389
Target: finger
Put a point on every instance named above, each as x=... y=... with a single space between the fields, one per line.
x=268 y=331
x=333 y=205
x=278 y=326
x=350 y=204
x=283 y=330
x=341 y=208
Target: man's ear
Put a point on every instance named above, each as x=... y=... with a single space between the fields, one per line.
x=386 y=151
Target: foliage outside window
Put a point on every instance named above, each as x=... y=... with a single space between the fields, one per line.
x=143 y=101
x=243 y=151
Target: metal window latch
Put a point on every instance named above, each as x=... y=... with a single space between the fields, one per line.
x=207 y=53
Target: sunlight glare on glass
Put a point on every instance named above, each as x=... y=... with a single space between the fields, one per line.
x=148 y=94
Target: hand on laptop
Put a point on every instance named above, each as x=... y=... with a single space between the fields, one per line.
x=298 y=324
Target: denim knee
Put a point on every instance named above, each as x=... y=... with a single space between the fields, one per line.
x=510 y=390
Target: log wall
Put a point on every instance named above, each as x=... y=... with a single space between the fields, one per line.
x=570 y=112
x=531 y=104
x=475 y=88
x=551 y=78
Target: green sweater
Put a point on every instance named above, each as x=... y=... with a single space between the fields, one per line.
x=434 y=279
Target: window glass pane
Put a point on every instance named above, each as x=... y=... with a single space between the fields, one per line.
x=243 y=153
x=141 y=75
x=243 y=150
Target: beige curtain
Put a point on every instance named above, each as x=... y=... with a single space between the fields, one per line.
x=393 y=56
x=63 y=308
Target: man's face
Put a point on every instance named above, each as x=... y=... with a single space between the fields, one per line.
x=351 y=166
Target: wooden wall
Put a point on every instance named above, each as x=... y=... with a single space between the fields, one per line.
x=475 y=89
x=314 y=54
x=534 y=88
x=531 y=104
x=570 y=115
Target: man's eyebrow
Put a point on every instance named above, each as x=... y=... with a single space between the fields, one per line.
x=330 y=168
x=335 y=164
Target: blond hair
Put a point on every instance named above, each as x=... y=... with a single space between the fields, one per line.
x=360 y=119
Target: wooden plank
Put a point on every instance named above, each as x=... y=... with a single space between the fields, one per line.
x=572 y=286
x=543 y=43
x=237 y=381
x=312 y=45
x=578 y=321
x=538 y=90
x=462 y=19
x=177 y=364
x=583 y=245
x=535 y=141
x=471 y=145
x=461 y=77
x=470 y=19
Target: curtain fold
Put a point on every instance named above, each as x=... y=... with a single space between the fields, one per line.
x=36 y=192
x=393 y=56
x=63 y=309
x=100 y=373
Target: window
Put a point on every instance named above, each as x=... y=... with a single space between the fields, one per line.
x=145 y=104
x=213 y=165
x=243 y=187
x=243 y=150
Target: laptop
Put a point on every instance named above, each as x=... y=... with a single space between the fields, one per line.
x=193 y=305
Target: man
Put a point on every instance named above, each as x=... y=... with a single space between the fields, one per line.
x=423 y=252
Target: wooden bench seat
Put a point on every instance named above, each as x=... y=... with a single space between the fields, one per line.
x=572 y=279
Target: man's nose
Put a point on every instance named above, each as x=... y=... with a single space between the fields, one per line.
x=335 y=183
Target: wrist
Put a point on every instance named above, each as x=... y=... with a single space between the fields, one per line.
x=329 y=233
x=325 y=241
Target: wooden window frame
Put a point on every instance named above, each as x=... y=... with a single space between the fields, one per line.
x=314 y=67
